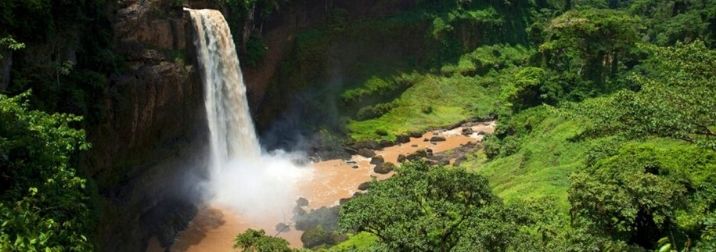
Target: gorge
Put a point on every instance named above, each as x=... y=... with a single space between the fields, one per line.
x=344 y=125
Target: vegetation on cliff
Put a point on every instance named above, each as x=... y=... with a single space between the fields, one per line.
x=43 y=201
x=606 y=118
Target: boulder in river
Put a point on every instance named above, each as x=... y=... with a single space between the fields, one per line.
x=437 y=139
x=402 y=139
x=299 y=211
x=467 y=131
x=350 y=150
x=366 y=152
x=302 y=202
x=385 y=143
x=364 y=186
x=282 y=227
x=401 y=158
x=384 y=168
x=415 y=134
x=377 y=160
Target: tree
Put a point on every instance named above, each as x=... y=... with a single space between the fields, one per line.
x=590 y=42
x=257 y=241
x=677 y=86
x=426 y=208
x=43 y=203
x=641 y=192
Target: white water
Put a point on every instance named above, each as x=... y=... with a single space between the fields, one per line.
x=241 y=176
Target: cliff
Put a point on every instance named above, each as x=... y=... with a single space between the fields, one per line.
x=148 y=146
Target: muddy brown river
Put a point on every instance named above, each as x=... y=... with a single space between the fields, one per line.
x=215 y=226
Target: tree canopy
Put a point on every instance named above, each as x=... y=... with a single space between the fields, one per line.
x=43 y=202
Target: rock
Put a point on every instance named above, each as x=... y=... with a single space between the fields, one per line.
x=302 y=202
x=429 y=152
x=364 y=186
x=299 y=211
x=351 y=162
x=467 y=131
x=366 y=153
x=401 y=158
x=386 y=143
x=426 y=139
x=377 y=160
x=402 y=139
x=384 y=168
x=415 y=134
x=373 y=145
x=414 y=146
x=350 y=150
x=459 y=160
x=437 y=139
x=355 y=167
x=282 y=227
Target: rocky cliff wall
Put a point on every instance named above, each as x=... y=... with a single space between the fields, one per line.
x=281 y=28
x=147 y=151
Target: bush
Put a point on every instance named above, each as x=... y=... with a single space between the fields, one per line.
x=374 y=111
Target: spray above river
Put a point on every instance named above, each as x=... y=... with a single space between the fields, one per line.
x=241 y=176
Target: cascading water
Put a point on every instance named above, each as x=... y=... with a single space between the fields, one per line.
x=241 y=176
x=227 y=111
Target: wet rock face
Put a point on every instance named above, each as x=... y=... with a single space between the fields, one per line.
x=151 y=140
x=139 y=22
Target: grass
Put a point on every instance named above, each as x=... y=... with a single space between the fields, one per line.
x=469 y=88
x=357 y=242
x=543 y=162
x=433 y=101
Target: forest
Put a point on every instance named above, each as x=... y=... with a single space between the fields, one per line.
x=605 y=113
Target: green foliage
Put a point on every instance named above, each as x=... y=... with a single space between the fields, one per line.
x=43 y=203
x=10 y=43
x=486 y=58
x=669 y=21
x=531 y=155
x=256 y=241
x=621 y=193
x=374 y=111
x=424 y=208
x=362 y=241
x=590 y=43
x=451 y=99
x=255 y=51
x=675 y=98
x=643 y=191
x=320 y=236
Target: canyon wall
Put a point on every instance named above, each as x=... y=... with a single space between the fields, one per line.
x=147 y=151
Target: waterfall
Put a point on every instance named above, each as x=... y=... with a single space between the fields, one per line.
x=256 y=184
x=232 y=133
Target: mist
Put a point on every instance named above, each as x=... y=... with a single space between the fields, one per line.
x=266 y=187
